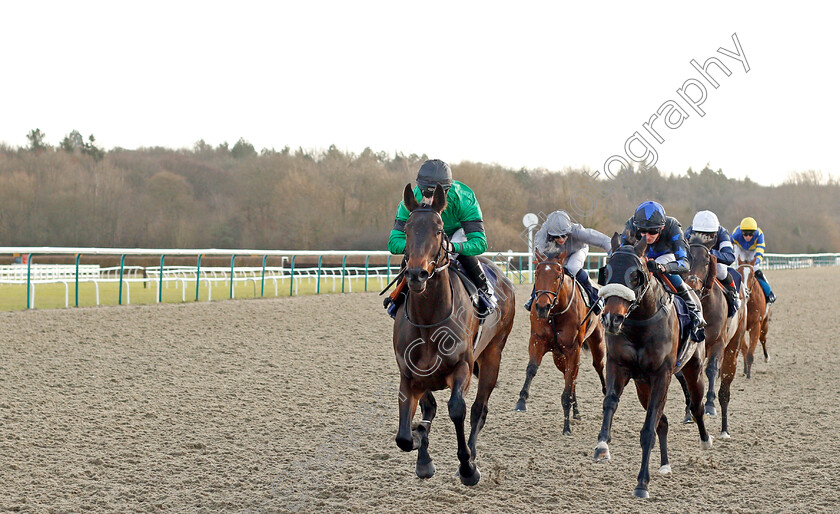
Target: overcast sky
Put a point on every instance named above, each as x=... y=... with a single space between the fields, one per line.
x=530 y=85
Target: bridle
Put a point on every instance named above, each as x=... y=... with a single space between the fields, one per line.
x=442 y=253
x=704 y=291
x=555 y=295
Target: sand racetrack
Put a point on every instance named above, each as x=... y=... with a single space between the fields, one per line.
x=289 y=404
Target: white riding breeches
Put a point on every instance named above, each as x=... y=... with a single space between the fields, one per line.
x=722 y=272
x=745 y=255
x=575 y=262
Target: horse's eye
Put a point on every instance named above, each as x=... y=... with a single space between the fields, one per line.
x=439 y=232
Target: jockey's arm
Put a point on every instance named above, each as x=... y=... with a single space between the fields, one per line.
x=725 y=252
x=759 y=247
x=476 y=242
x=679 y=248
x=593 y=237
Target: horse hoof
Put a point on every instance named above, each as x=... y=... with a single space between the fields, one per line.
x=725 y=435
x=640 y=492
x=766 y=358
x=665 y=470
x=470 y=480
x=425 y=470
x=576 y=416
x=688 y=419
x=520 y=406
x=706 y=445
x=567 y=431
x=602 y=452
x=711 y=410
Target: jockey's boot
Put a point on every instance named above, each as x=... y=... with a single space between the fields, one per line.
x=583 y=278
x=765 y=286
x=696 y=311
x=531 y=299
x=485 y=303
x=732 y=300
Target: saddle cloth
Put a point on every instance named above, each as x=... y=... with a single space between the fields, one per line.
x=684 y=318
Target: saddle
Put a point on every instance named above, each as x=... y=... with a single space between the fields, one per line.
x=480 y=302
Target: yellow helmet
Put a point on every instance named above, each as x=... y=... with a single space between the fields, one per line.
x=748 y=224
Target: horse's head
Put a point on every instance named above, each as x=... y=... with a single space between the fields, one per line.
x=548 y=280
x=744 y=268
x=424 y=238
x=703 y=263
x=626 y=281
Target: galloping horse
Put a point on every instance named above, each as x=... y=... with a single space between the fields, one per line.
x=559 y=324
x=758 y=316
x=723 y=334
x=643 y=337
x=435 y=340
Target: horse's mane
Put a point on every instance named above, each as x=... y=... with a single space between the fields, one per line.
x=700 y=239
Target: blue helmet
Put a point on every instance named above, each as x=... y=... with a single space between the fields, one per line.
x=649 y=215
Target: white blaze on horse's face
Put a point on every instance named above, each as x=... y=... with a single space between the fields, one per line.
x=548 y=268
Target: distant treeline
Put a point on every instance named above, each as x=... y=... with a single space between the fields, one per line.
x=80 y=195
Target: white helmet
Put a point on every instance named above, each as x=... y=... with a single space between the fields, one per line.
x=705 y=221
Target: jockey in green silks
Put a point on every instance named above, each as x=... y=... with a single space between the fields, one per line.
x=462 y=222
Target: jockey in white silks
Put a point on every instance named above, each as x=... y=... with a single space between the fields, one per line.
x=557 y=234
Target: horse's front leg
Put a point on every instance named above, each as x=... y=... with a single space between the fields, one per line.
x=659 y=383
x=428 y=407
x=617 y=378
x=407 y=439
x=537 y=349
x=467 y=471
x=727 y=375
x=712 y=374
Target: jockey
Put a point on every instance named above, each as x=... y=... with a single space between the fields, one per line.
x=461 y=222
x=667 y=254
x=749 y=246
x=558 y=233
x=706 y=223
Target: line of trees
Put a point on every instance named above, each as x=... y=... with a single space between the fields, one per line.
x=77 y=194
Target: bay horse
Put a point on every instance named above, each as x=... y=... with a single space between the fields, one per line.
x=758 y=316
x=723 y=334
x=560 y=324
x=643 y=340
x=435 y=339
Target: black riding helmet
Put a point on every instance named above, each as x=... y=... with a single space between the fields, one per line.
x=432 y=173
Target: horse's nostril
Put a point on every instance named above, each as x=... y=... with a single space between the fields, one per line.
x=423 y=275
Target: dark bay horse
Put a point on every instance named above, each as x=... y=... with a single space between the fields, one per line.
x=723 y=334
x=435 y=340
x=558 y=326
x=758 y=316
x=643 y=336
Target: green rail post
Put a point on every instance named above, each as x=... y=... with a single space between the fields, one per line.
x=367 y=257
x=292 y=276
x=197 y=275
x=77 y=278
x=160 y=280
x=262 y=287
x=343 y=266
x=318 y=285
x=520 y=269
x=232 y=258
x=28 y=280
x=122 y=265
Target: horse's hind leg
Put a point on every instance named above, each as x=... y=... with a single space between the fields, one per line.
x=467 y=471
x=489 y=362
x=428 y=407
x=572 y=364
x=763 y=337
x=536 y=351
x=681 y=380
x=750 y=355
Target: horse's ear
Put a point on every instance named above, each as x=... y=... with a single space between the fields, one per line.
x=409 y=200
x=439 y=199
x=615 y=242
x=640 y=247
x=711 y=271
x=539 y=255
